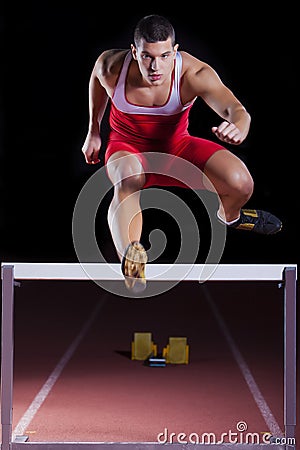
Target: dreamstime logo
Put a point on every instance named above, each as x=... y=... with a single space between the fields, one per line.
x=240 y=435
x=98 y=186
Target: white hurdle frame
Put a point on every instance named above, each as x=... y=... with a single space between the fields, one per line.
x=285 y=274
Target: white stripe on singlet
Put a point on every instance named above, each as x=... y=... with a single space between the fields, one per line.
x=173 y=105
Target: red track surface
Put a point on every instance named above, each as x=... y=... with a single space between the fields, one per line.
x=102 y=395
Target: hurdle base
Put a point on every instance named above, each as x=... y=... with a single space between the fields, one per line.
x=21 y=438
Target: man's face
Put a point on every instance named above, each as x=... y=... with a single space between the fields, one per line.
x=155 y=60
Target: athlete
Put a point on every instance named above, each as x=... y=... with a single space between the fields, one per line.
x=151 y=89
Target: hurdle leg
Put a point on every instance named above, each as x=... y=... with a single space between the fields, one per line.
x=7 y=355
x=290 y=352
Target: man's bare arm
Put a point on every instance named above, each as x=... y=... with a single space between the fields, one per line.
x=202 y=81
x=98 y=99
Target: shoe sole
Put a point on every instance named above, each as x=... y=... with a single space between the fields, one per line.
x=133 y=267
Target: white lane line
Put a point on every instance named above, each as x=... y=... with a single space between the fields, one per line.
x=41 y=396
x=257 y=395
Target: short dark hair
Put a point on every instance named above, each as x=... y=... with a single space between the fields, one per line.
x=154 y=28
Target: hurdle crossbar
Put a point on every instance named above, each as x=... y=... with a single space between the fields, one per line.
x=285 y=274
x=155 y=272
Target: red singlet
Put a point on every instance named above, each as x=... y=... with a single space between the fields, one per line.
x=164 y=129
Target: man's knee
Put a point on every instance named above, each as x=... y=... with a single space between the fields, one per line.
x=242 y=184
x=131 y=183
x=126 y=171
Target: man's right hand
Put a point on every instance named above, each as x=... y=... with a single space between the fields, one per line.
x=91 y=148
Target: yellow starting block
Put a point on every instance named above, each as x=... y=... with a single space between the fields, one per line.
x=142 y=346
x=177 y=351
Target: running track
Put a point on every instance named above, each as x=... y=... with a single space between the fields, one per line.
x=75 y=381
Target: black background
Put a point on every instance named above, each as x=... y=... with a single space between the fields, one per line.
x=48 y=52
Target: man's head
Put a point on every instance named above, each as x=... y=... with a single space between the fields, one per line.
x=153 y=28
x=154 y=48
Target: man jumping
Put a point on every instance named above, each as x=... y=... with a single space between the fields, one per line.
x=151 y=89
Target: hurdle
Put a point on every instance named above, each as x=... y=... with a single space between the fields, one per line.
x=284 y=274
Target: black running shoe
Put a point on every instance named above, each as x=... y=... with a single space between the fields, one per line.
x=258 y=221
x=133 y=267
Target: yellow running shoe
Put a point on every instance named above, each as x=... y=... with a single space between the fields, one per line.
x=133 y=267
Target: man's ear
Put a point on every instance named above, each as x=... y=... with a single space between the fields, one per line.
x=176 y=47
x=133 y=51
